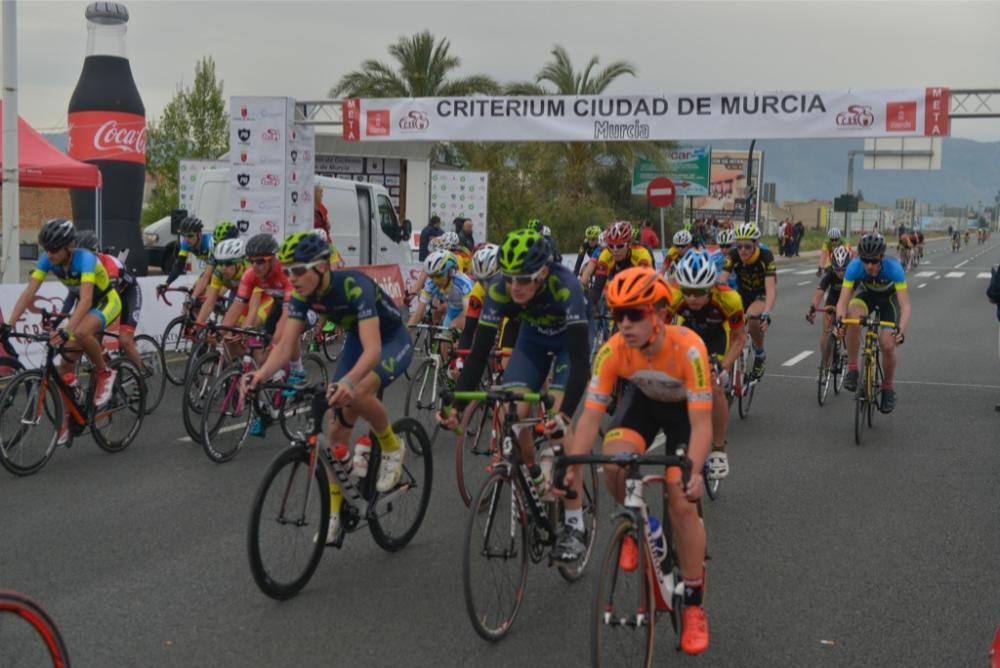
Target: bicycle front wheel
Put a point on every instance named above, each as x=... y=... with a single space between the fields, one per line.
x=176 y=349
x=28 y=635
x=288 y=521
x=573 y=572
x=839 y=367
x=116 y=425
x=495 y=563
x=153 y=370
x=196 y=386
x=294 y=416
x=30 y=410
x=748 y=384
x=623 y=616
x=420 y=396
x=226 y=418
x=474 y=449
x=397 y=514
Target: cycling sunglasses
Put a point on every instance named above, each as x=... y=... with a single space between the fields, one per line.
x=871 y=260
x=299 y=269
x=632 y=314
x=618 y=247
x=260 y=260
x=700 y=292
x=745 y=246
x=522 y=279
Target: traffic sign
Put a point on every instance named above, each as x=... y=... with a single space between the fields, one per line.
x=660 y=192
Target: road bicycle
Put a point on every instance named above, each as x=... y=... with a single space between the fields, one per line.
x=744 y=381
x=28 y=634
x=510 y=522
x=32 y=405
x=477 y=438
x=178 y=340
x=868 y=397
x=832 y=372
x=291 y=508
x=629 y=598
x=153 y=365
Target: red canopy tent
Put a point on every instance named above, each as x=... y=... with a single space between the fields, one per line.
x=42 y=165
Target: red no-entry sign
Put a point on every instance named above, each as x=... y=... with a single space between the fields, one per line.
x=660 y=191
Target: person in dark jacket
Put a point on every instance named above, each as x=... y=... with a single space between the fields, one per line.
x=465 y=234
x=432 y=230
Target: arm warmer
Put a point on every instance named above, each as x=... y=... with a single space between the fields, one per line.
x=476 y=361
x=581 y=256
x=465 y=340
x=577 y=343
x=178 y=268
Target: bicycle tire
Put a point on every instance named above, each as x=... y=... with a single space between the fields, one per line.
x=877 y=382
x=294 y=415
x=712 y=485
x=128 y=399
x=389 y=531
x=35 y=616
x=223 y=401
x=840 y=367
x=333 y=345
x=861 y=403
x=14 y=454
x=591 y=492
x=176 y=349
x=155 y=370
x=746 y=396
x=603 y=618
x=311 y=534
x=474 y=456
x=497 y=496
x=196 y=386
x=420 y=404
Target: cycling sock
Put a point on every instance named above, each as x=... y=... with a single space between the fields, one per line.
x=694 y=590
x=759 y=352
x=336 y=498
x=296 y=365
x=886 y=386
x=852 y=366
x=574 y=519
x=388 y=440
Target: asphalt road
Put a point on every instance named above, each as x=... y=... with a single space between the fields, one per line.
x=823 y=553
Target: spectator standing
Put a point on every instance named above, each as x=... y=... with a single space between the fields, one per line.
x=648 y=237
x=781 y=236
x=432 y=230
x=321 y=217
x=798 y=232
x=465 y=236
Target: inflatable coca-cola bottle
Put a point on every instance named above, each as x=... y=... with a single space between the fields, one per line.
x=107 y=127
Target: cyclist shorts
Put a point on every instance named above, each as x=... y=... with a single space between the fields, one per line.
x=832 y=297
x=131 y=299
x=639 y=419
x=751 y=297
x=534 y=355
x=887 y=304
x=397 y=351
x=108 y=309
x=273 y=307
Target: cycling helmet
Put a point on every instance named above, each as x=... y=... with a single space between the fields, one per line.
x=546 y=232
x=635 y=234
x=225 y=230
x=87 y=239
x=525 y=252
x=262 y=245
x=636 y=286
x=437 y=243
x=696 y=270
x=602 y=239
x=450 y=240
x=871 y=245
x=534 y=224
x=619 y=233
x=592 y=233
x=440 y=263
x=748 y=231
x=682 y=238
x=229 y=250
x=485 y=261
x=300 y=247
x=190 y=225
x=57 y=233
x=726 y=237
x=833 y=234
x=841 y=256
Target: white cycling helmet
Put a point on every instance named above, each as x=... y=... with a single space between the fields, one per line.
x=486 y=261
x=546 y=232
x=682 y=238
x=748 y=231
x=726 y=238
x=696 y=270
x=834 y=234
x=841 y=256
x=230 y=250
x=440 y=263
x=437 y=243
x=451 y=240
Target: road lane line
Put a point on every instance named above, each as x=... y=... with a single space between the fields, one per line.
x=922 y=285
x=232 y=427
x=806 y=272
x=798 y=358
x=924 y=274
x=962 y=263
x=804 y=283
x=955 y=274
x=784 y=270
x=983 y=274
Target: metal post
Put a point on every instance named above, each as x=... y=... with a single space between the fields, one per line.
x=663 y=233
x=11 y=270
x=850 y=191
x=746 y=204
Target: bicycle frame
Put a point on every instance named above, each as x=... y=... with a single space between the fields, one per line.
x=80 y=416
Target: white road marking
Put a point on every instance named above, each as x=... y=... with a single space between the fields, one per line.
x=922 y=285
x=798 y=358
x=924 y=274
x=232 y=427
x=785 y=270
x=806 y=272
x=955 y=274
x=804 y=283
x=983 y=274
x=962 y=263
x=974 y=386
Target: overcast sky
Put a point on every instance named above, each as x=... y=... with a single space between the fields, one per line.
x=300 y=49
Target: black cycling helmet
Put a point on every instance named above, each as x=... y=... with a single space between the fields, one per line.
x=87 y=239
x=261 y=245
x=303 y=247
x=191 y=225
x=871 y=245
x=57 y=233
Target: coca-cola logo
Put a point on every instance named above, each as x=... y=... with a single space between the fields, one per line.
x=414 y=121
x=113 y=137
x=269 y=227
x=295 y=155
x=243 y=180
x=857 y=116
x=243 y=226
x=243 y=134
x=270 y=181
x=271 y=135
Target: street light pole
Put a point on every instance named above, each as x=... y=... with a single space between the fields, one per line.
x=850 y=191
x=11 y=254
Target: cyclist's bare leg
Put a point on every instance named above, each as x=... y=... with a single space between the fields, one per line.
x=756 y=333
x=126 y=339
x=526 y=440
x=824 y=338
x=366 y=405
x=720 y=414
x=887 y=342
x=689 y=530
x=614 y=476
x=854 y=334
x=85 y=338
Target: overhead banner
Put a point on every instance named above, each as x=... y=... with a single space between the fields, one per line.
x=766 y=115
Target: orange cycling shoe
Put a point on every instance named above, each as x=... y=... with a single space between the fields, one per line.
x=694 y=638
x=628 y=557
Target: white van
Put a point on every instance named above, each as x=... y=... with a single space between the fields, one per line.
x=363 y=222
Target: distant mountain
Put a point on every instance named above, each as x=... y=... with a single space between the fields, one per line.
x=805 y=169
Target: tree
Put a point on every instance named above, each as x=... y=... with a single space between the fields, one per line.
x=193 y=125
x=424 y=65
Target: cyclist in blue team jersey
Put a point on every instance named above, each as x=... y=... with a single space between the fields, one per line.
x=193 y=242
x=445 y=284
x=97 y=303
x=377 y=350
x=553 y=335
x=871 y=281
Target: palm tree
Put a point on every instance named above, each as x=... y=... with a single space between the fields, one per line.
x=423 y=67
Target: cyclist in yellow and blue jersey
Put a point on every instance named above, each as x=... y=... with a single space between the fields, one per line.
x=682 y=242
x=97 y=303
x=757 y=282
x=193 y=242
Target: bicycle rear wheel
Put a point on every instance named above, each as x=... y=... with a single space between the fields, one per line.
x=623 y=617
x=495 y=560
x=839 y=367
x=288 y=523
x=196 y=386
x=28 y=635
x=474 y=449
x=420 y=396
x=333 y=344
x=748 y=385
x=153 y=371
x=30 y=410
x=397 y=514
x=116 y=425
x=861 y=403
x=176 y=350
x=226 y=418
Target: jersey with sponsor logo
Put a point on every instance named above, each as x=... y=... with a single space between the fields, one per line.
x=453 y=296
x=679 y=371
x=638 y=256
x=890 y=279
x=716 y=320
x=220 y=282
x=558 y=303
x=275 y=284
x=350 y=298
x=750 y=275
x=84 y=267
x=203 y=251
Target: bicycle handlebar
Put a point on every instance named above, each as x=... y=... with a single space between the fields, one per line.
x=630 y=460
x=505 y=396
x=162 y=293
